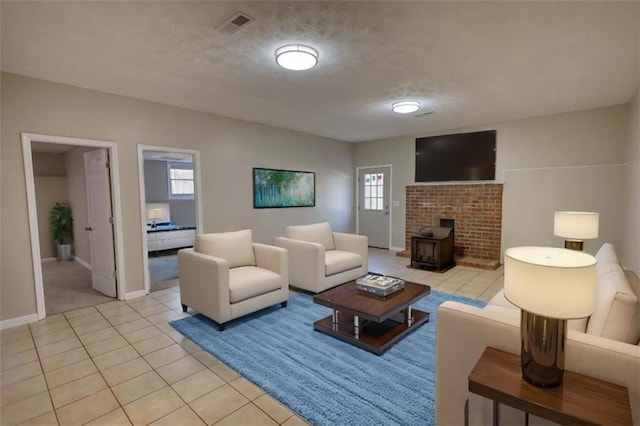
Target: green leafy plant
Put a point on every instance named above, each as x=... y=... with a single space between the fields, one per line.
x=61 y=223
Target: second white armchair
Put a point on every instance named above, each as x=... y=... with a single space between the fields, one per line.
x=320 y=259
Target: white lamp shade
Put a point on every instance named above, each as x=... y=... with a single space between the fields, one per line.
x=576 y=225
x=155 y=214
x=550 y=282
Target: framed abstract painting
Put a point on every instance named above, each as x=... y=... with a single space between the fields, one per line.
x=274 y=188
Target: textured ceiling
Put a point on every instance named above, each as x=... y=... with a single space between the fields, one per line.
x=468 y=62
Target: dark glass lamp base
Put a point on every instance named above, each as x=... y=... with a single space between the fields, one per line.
x=543 y=349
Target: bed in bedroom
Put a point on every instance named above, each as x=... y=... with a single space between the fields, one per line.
x=162 y=234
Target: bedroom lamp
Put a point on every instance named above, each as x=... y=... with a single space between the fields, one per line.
x=576 y=227
x=550 y=285
x=154 y=215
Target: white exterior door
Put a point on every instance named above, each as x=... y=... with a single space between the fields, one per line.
x=96 y=166
x=373 y=205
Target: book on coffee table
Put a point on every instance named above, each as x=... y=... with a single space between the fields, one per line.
x=379 y=285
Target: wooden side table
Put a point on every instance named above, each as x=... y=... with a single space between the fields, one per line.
x=579 y=400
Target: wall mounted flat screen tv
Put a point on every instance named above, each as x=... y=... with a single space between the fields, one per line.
x=459 y=157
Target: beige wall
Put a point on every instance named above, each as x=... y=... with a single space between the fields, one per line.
x=74 y=165
x=48 y=164
x=49 y=190
x=50 y=185
x=544 y=163
x=229 y=149
x=631 y=254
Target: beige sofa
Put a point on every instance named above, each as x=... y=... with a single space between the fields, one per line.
x=226 y=276
x=604 y=346
x=320 y=258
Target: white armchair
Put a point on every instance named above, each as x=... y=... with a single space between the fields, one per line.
x=226 y=275
x=320 y=258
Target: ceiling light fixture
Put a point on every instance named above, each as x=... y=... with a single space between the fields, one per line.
x=296 y=57
x=405 y=107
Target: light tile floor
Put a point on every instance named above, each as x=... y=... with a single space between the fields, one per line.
x=121 y=363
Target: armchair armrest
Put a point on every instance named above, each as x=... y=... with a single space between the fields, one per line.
x=204 y=284
x=272 y=258
x=354 y=243
x=306 y=262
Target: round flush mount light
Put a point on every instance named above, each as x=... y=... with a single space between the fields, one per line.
x=296 y=57
x=405 y=107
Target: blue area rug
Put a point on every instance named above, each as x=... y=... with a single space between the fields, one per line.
x=321 y=378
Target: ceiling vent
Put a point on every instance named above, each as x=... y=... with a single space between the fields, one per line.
x=237 y=21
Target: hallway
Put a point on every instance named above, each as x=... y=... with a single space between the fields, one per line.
x=67 y=286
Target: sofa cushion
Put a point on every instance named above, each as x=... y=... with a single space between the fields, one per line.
x=615 y=307
x=336 y=261
x=606 y=254
x=499 y=303
x=606 y=259
x=320 y=233
x=235 y=247
x=246 y=282
x=634 y=282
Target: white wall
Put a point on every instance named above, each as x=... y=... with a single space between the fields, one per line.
x=558 y=150
x=228 y=151
x=631 y=253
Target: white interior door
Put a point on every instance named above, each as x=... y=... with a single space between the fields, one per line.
x=96 y=165
x=373 y=205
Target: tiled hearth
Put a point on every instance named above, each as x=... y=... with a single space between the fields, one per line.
x=477 y=211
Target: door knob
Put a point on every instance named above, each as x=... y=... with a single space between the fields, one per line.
x=88 y=228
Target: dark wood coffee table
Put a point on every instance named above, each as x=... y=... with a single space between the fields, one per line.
x=371 y=322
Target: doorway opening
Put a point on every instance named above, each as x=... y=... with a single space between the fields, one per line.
x=169 y=180
x=57 y=169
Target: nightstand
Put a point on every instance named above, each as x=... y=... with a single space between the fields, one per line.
x=579 y=400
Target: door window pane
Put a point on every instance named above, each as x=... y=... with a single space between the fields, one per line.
x=373 y=193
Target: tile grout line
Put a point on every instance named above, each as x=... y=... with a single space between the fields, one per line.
x=98 y=370
x=44 y=377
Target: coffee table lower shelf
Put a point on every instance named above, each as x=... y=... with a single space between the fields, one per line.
x=374 y=337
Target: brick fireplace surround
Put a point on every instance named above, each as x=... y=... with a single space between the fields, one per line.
x=477 y=211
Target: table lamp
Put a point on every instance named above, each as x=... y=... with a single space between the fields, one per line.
x=550 y=285
x=154 y=215
x=576 y=227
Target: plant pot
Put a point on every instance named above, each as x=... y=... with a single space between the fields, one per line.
x=64 y=252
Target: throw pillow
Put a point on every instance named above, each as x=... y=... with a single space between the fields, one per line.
x=615 y=307
x=235 y=247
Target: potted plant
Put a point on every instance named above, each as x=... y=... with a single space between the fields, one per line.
x=62 y=228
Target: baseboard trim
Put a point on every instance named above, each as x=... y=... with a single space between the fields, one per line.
x=82 y=262
x=397 y=249
x=135 y=294
x=15 y=322
x=48 y=259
